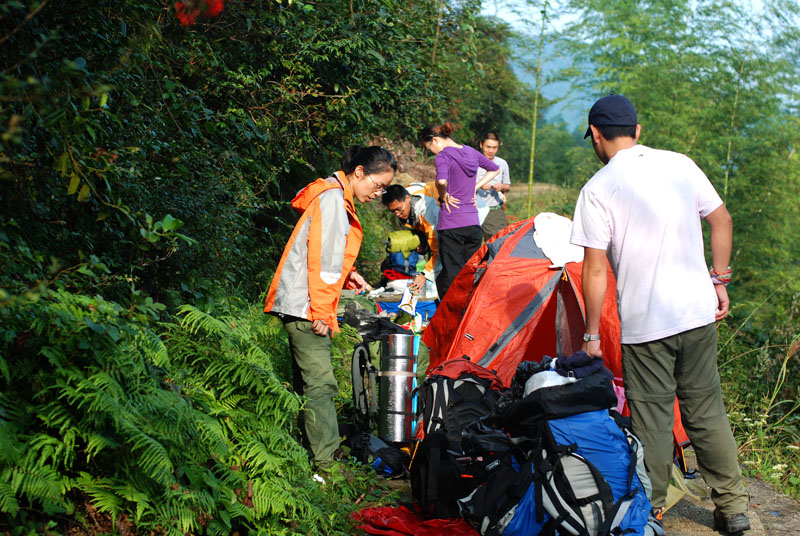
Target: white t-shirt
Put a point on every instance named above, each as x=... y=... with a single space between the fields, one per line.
x=493 y=198
x=645 y=207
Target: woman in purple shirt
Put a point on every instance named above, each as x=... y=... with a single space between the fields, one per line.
x=458 y=231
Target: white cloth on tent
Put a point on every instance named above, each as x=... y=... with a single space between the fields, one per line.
x=552 y=236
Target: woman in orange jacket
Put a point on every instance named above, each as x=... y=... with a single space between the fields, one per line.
x=317 y=263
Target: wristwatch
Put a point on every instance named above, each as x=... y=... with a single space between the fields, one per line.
x=587 y=337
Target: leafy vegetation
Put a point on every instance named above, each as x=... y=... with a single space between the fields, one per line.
x=174 y=427
x=146 y=171
x=147 y=165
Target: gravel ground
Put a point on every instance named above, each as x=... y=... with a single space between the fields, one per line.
x=770 y=512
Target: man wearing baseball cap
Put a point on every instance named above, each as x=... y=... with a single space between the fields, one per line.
x=643 y=212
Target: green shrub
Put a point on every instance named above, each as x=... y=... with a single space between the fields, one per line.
x=175 y=427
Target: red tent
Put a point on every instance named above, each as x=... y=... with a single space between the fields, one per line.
x=507 y=305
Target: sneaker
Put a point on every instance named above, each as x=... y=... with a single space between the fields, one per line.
x=334 y=472
x=654 y=524
x=732 y=524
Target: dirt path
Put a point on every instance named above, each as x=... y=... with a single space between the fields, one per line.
x=770 y=512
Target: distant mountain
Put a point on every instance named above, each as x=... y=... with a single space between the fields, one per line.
x=570 y=106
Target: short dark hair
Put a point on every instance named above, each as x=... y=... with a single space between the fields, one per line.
x=490 y=135
x=612 y=132
x=395 y=192
x=373 y=159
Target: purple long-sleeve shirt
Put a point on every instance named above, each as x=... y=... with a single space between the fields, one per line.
x=459 y=168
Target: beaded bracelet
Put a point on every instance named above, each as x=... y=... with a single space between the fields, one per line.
x=721 y=278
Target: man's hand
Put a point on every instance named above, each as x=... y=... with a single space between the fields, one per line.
x=723 y=303
x=592 y=348
x=417 y=284
x=319 y=327
x=357 y=282
x=487 y=186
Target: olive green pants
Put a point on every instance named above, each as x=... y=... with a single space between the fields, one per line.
x=684 y=364
x=494 y=223
x=313 y=377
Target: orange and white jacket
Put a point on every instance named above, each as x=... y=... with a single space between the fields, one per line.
x=320 y=253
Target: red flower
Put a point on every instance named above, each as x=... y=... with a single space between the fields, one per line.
x=214 y=8
x=187 y=11
x=186 y=16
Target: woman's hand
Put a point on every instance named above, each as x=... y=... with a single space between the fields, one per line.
x=450 y=201
x=319 y=327
x=357 y=282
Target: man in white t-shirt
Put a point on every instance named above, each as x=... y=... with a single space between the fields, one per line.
x=643 y=212
x=491 y=196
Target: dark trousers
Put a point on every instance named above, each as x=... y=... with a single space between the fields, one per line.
x=494 y=223
x=456 y=246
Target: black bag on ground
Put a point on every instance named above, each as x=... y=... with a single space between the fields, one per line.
x=454 y=399
x=387 y=460
x=440 y=477
x=492 y=505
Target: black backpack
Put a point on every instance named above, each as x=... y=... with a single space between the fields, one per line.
x=456 y=394
x=387 y=460
x=453 y=400
x=492 y=505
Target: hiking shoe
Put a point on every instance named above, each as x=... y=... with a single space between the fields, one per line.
x=732 y=524
x=654 y=525
x=335 y=472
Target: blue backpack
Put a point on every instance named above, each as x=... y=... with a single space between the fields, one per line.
x=404 y=265
x=578 y=471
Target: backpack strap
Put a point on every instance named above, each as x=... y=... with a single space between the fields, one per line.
x=365 y=396
x=551 y=458
x=440 y=399
x=612 y=514
x=437 y=446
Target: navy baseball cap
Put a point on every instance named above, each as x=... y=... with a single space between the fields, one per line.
x=613 y=110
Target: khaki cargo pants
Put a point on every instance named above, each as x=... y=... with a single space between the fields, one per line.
x=685 y=364
x=313 y=377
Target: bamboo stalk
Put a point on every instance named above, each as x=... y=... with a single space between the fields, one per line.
x=536 y=110
x=438 y=26
x=730 y=133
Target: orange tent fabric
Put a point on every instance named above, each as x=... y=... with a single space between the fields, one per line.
x=507 y=305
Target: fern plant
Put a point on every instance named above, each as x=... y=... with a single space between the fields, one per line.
x=176 y=427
